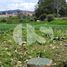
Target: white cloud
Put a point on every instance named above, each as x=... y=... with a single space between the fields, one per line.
x=23 y=6
x=17 y=4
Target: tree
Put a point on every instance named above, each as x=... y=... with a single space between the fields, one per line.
x=50 y=7
x=58 y=5
x=43 y=7
x=66 y=10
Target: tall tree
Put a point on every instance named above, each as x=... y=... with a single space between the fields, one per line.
x=58 y=5
x=49 y=7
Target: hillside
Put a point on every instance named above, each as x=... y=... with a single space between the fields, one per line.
x=14 y=11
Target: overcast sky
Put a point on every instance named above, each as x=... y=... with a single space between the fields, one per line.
x=18 y=4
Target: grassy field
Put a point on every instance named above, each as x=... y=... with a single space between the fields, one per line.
x=14 y=55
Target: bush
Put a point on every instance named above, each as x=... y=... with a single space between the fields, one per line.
x=35 y=19
x=42 y=17
x=50 y=18
x=20 y=20
x=3 y=20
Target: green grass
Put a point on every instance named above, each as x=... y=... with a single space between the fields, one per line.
x=59 y=22
x=11 y=54
x=5 y=27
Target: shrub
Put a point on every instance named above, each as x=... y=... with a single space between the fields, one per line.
x=3 y=20
x=42 y=17
x=50 y=18
x=21 y=20
x=34 y=19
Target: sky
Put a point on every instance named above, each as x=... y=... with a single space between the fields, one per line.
x=18 y=4
x=28 y=5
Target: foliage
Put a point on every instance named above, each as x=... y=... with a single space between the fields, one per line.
x=4 y=20
x=42 y=17
x=50 y=18
x=51 y=7
x=62 y=12
x=16 y=19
